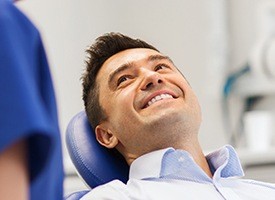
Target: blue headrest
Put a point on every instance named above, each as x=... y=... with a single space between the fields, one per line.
x=96 y=164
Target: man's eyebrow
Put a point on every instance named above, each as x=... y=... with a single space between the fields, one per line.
x=159 y=57
x=121 y=68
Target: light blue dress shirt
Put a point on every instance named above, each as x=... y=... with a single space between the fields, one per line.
x=173 y=174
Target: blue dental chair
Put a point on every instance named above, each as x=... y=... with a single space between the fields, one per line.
x=95 y=164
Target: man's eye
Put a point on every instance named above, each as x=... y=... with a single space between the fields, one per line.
x=122 y=79
x=159 y=67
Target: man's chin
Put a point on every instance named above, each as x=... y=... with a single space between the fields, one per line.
x=164 y=118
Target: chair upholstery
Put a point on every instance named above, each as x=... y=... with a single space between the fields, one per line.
x=96 y=164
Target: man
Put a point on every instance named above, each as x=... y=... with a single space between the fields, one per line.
x=140 y=103
x=30 y=147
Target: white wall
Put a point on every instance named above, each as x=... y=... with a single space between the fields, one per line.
x=249 y=25
x=192 y=33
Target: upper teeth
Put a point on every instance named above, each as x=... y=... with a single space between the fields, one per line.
x=159 y=97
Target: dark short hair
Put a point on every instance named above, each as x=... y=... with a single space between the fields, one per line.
x=104 y=47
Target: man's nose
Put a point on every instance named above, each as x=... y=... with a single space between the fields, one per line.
x=150 y=79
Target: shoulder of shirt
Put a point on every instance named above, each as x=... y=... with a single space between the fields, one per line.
x=258 y=183
x=112 y=190
x=7 y=7
x=11 y=16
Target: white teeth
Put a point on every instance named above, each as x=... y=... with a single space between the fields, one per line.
x=159 y=97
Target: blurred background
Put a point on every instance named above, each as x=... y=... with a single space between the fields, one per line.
x=225 y=48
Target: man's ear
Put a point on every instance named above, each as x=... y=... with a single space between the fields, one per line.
x=105 y=137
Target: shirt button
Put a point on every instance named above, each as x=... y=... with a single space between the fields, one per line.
x=181 y=159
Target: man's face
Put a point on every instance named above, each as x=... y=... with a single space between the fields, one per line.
x=148 y=103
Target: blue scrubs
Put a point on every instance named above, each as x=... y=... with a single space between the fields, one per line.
x=27 y=102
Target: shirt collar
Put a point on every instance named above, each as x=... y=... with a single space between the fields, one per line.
x=225 y=162
x=147 y=165
x=163 y=163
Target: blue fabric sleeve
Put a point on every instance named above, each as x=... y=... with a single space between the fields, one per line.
x=27 y=100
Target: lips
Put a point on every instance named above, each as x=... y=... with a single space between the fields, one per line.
x=158 y=96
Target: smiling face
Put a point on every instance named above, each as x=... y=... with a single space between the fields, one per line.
x=148 y=103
